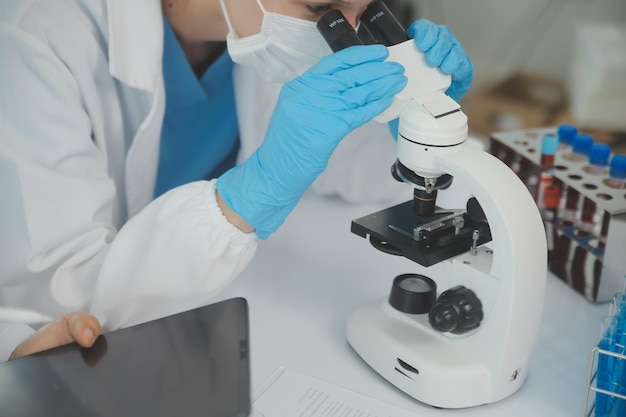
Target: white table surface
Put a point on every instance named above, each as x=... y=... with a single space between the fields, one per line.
x=308 y=277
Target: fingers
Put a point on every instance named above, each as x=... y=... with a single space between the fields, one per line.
x=349 y=57
x=437 y=43
x=425 y=33
x=441 y=49
x=83 y=328
x=458 y=64
x=349 y=88
x=364 y=74
x=79 y=327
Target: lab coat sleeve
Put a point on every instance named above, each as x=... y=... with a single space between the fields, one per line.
x=64 y=244
x=178 y=253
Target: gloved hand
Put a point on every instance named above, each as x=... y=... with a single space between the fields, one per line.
x=444 y=51
x=313 y=113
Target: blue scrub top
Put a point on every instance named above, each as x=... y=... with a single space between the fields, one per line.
x=199 y=139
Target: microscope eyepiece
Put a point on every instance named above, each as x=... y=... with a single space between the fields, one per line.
x=379 y=24
x=382 y=26
x=337 y=31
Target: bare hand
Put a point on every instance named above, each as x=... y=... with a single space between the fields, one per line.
x=82 y=328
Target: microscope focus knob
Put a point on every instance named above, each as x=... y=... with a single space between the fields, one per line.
x=457 y=310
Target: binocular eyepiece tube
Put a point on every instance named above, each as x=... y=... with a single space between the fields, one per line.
x=380 y=23
x=337 y=31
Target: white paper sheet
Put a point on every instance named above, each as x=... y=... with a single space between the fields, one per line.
x=287 y=393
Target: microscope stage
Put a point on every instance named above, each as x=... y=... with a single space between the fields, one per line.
x=391 y=230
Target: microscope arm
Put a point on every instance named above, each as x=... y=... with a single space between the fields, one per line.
x=518 y=242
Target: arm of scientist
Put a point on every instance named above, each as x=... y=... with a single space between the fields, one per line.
x=359 y=170
x=74 y=237
x=67 y=177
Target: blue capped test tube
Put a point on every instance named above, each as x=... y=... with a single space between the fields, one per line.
x=566 y=135
x=599 y=154
x=617 y=172
x=581 y=145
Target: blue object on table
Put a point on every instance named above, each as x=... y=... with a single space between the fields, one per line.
x=611 y=372
x=566 y=133
x=620 y=341
x=606 y=367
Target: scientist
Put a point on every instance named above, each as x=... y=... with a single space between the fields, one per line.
x=89 y=137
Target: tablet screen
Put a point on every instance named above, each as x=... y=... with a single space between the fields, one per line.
x=190 y=364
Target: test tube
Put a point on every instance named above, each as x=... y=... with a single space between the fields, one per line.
x=564 y=243
x=583 y=234
x=605 y=377
x=617 y=172
x=578 y=270
x=566 y=135
x=549 y=146
x=572 y=199
x=580 y=148
x=598 y=159
x=598 y=165
x=619 y=305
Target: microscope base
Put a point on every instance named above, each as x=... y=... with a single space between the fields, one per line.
x=425 y=365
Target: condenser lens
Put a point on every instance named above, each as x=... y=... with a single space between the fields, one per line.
x=415 y=285
x=413 y=293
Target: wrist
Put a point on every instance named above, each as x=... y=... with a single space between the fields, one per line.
x=231 y=216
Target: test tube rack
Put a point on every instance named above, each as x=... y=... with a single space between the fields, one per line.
x=592 y=263
x=618 y=362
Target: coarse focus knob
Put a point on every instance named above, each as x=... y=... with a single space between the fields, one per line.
x=457 y=310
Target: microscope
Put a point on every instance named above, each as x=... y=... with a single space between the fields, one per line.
x=465 y=337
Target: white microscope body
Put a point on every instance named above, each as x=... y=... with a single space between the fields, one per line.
x=491 y=360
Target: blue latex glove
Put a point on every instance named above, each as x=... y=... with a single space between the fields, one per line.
x=313 y=113
x=444 y=51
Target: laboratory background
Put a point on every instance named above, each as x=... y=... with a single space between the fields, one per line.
x=529 y=57
x=545 y=72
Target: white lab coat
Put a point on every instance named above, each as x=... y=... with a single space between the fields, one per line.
x=81 y=108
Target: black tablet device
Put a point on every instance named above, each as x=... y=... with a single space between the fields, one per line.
x=190 y=364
